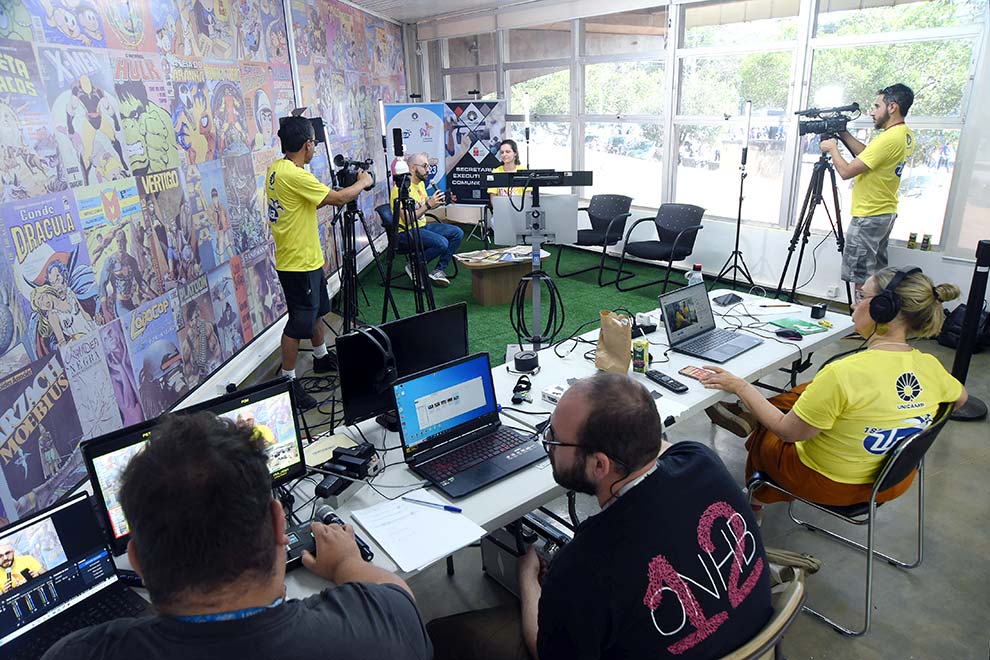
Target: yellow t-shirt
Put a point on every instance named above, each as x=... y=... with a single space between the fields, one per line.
x=20 y=563
x=875 y=190
x=265 y=433
x=864 y=404
x=504 y=192
x=293 y=194
x=417 y=192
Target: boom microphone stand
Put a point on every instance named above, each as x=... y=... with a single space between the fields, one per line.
x=738 y=264
x=802 y=229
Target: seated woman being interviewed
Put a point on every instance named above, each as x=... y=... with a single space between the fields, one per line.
x=826 y=441
x=508 y=153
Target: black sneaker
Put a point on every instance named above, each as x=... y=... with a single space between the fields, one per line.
x=325 y=364
x=304 y=400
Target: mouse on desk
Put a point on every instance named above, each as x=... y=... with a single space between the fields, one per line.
x=787 y=333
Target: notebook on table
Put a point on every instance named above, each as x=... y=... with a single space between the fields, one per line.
x=450 y=428
x=690 y=327
x=58 y=576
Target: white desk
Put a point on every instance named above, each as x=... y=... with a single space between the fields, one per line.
x=510 y=498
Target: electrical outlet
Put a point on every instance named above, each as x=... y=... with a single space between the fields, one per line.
x=833 y=291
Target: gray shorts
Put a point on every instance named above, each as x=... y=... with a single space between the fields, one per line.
x=865 y=251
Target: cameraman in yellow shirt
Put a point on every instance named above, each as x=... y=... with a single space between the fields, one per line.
x=877 y=167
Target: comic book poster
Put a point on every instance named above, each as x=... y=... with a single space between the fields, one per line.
x=128 y=25
x=13 y=319
x=275 y=32
x=119 y=249
x=52 y=270
x=309 y=33
x=240 y=293
x=227 y=109
x=122 y=380
x=84 y=113
x=166 y=212
x=192 y=116
x=16 y=21
x=89 y=380
x=209 y=25
x=69 y=22
x=29 y=160
x=283 y=96
x=214 y=235
x=39 y=434
x=153 y=342
x=347 y=35
x=243 y=189
x=172 y=35
x=256 y=81
x=223 y=297
x=199 y=342
x=264 y=294
x=141 y=92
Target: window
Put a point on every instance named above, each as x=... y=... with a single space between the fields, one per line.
x=739 y=23
x=461 y=86
x=475 y=50
x=549 y=91
x=631 y=32
x=549 y=145
x=722 y=85
x=624 y=88
x=626 y=159
x=835 y=17
x=545 y=42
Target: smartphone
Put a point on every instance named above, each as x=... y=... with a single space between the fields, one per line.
x=694 y=372
x=655 y=394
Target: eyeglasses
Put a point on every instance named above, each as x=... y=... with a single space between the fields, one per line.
x=859 y=296
x=547 y=438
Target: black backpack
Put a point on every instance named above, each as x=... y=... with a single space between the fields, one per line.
x=952 y=328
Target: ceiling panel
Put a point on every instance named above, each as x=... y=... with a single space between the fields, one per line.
x=411 y=11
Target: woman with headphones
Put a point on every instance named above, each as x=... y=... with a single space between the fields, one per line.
x=827 y=440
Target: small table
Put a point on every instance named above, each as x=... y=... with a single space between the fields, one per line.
x=494 y=282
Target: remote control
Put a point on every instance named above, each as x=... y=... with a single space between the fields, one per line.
x=666 y=381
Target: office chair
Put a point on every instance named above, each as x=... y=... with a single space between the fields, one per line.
x=677 y=227
x=608 y=215
x=384 y=212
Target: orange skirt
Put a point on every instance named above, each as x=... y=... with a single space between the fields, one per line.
x=780 y=462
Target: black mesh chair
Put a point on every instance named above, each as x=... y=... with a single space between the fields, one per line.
x=907 y=455
x=608 y=215
x=384 y=212
x=677 y=227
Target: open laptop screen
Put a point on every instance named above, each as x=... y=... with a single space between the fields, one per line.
x=443 y=402
x=687 y=313
x=49 y=562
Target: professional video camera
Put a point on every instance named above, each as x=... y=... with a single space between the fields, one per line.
x=347 y=171
x=827 y=122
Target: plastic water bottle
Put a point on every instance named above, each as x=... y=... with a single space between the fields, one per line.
x=695 y=276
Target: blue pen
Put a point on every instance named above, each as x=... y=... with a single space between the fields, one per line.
x=445 y=507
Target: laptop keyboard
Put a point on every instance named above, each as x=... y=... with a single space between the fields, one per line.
x=708 y=341
x=471 y=454
x=115 y=604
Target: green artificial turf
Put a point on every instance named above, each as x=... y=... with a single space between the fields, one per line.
x=489 y=328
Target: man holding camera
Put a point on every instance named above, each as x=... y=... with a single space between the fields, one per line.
x=877 y=168
x=672 y=566
x=209 y=543
x=293 y=195
x=438 y=239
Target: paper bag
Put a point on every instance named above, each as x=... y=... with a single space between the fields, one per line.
x=614 y=343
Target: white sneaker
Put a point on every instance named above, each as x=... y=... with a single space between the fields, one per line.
x=439 y=278
x=409 y=271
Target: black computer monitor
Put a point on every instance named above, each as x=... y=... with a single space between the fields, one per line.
x=418 y=342
x=267 y=407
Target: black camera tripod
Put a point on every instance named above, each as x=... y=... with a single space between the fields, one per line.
x=802 y=229
x=405 y=207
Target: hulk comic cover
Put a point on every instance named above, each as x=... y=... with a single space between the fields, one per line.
x=120 y=249
x=29 y=160
x=84 y=112
x=140 y=88
x=153 y=342
x=52 y=270
x=39 y=434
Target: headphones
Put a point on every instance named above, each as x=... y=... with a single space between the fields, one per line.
x=885 y=305
x=383 y=378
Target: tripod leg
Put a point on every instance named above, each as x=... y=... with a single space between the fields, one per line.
x=806 y=208
x=817 y=180
x=840 y=238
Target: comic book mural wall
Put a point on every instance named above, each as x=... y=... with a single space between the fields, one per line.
x=135 y=258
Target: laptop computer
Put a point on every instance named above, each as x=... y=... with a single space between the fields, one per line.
x=690 y=326
x=450 y=429
x=58 y=576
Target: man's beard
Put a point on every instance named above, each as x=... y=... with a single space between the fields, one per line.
x=879 y=121
x=573 y=478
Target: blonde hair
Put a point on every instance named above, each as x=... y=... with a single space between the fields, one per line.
x=921 y=301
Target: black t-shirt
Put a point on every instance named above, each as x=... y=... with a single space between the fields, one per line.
x=354 y=621
x=675 y=567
